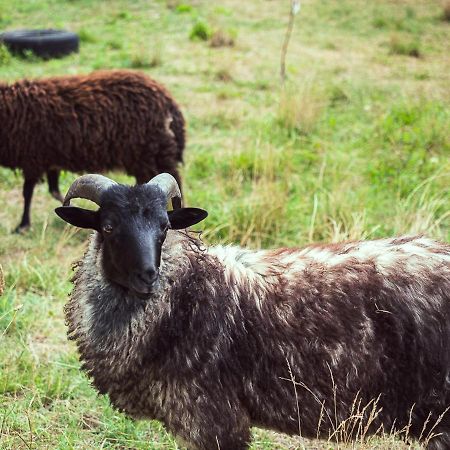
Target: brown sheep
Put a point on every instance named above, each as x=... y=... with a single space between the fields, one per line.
x=104 y=121
x=211 y=341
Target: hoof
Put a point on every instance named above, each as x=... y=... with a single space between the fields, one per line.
x=21 y=229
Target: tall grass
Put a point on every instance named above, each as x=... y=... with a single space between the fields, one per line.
x=301 y=105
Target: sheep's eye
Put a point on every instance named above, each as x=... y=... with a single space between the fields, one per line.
x=107 y=228
x=164 y=227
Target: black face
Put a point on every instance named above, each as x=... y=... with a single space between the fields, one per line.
x=133 y=223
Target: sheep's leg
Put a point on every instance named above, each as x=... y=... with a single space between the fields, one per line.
x=175 y=174
x=142 y=178
x=168 y=163
x=28 y=187
x=53 y=185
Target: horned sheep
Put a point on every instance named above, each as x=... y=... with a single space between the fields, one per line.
x=108 y=120
x=211 y=341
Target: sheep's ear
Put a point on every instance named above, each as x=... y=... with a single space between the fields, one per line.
x=79 y=217
x=185 y=217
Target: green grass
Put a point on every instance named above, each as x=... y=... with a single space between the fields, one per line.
x=355 y=145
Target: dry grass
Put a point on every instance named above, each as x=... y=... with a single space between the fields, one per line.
x=143 y=58
x=223 y=75
x=301 y=105
x=422 y=213
x=221 y=39
x=261 y=177
x=360 y=430
x=407 y=46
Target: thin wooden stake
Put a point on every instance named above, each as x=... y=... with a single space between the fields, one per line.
x=295 y=8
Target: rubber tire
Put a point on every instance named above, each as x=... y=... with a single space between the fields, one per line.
x=44 y=43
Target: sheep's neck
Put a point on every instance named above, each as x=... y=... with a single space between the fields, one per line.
x=110 y=321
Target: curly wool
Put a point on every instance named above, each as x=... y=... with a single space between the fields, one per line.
x=103 y=121
x=217 y=348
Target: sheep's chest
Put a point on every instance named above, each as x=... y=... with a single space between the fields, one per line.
x=135 y=393
x=137 y=398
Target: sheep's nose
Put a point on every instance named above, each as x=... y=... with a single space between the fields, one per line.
x=148 y=275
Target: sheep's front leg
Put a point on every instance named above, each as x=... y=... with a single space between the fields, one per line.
x=28 y=187
x=53 y=184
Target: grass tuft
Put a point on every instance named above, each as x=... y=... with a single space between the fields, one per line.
x=5 y=55
x=223 y=75
x=142 y=59
x=184 y=8
x=86 y=36
x=400 y=45
x=201 y=31
x=221 y=38
x=301 y=106
x=114 y=44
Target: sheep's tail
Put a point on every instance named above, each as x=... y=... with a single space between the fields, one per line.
x=178 y=128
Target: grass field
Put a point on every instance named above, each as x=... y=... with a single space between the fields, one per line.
x=355 y=145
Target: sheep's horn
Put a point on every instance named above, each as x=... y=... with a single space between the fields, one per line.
x=90 y=187
x=169 y=186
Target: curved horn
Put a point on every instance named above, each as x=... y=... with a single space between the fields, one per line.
x=90 y=187
x=169 y=186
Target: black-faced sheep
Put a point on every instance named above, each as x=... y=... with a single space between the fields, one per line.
x=212 y=341
x=104 y=121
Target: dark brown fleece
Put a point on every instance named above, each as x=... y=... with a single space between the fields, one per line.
x=217 y=348
x=94 y=123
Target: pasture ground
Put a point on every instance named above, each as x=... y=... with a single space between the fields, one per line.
x=355 y=146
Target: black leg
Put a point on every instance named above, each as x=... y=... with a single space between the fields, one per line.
x=53 y=186
x=28 y=187
x=144 y=178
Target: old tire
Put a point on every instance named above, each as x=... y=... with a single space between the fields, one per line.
x=44 y=43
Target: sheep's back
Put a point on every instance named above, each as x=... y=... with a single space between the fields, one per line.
x=348 y=322
x=102 y=121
